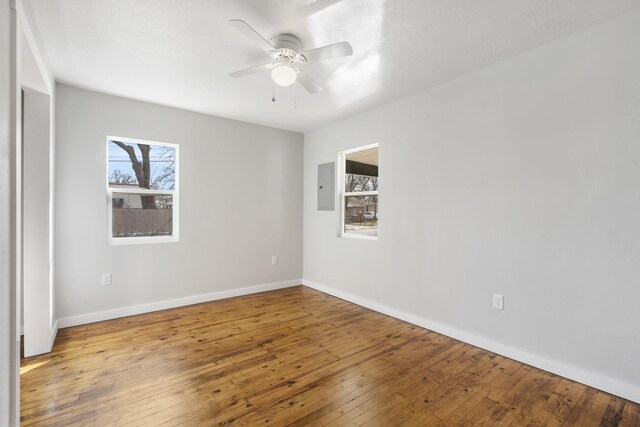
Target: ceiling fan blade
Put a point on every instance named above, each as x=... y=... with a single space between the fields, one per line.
x=335 y=50
x=252 y=35
x=251 y=70
x=308 y=83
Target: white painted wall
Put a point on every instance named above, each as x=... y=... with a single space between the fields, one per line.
x=522 y=178
x=240 y=203
x=8 y=347
x=36 y=203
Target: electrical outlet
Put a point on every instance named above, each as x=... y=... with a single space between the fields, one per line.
x=106 y=279
x=498 y=301
x=274 y=260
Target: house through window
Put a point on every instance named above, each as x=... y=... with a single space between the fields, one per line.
x=142 y=187
x=360 y=192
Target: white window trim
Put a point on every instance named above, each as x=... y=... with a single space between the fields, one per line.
x=342 y=161
x=175 y=200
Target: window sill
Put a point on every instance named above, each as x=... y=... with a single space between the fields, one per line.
x=118 y=241
x=358 y=236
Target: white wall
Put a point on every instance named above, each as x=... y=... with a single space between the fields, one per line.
x=36 y=203
x=522 y=178
x=240 y=203
x=8 y=347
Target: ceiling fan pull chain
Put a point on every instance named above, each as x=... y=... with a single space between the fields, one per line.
x=273 y=92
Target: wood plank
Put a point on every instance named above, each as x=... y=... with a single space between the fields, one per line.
x=613 y=414
x=630 y=415
x=581 y=411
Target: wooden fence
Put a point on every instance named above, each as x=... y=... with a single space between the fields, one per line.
x=132 y=222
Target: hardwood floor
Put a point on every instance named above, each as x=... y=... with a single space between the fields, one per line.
x=292 y=357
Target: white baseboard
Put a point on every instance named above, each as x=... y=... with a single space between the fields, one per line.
x=599 y=381
x=99 y=316
x=54 y=332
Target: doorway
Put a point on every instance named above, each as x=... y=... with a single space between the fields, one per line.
x=34 y=197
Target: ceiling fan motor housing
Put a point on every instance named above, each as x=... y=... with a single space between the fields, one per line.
x=287 y=41
x=288 y=49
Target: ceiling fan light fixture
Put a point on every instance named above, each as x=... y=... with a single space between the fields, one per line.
x=283 y=75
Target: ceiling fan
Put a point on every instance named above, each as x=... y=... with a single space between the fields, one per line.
x=286 y=52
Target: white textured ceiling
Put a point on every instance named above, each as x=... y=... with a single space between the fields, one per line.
x=179 y=53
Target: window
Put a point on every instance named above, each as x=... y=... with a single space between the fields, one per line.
x=142 y=188
x=360 y=192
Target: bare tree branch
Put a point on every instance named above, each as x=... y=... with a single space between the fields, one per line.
x=142 y=170
x=119 y=177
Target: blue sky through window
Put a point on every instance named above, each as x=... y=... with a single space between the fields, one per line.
x=161 y=160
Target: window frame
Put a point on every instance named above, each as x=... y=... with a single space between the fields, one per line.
x=342 y=161
x=175 y=221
